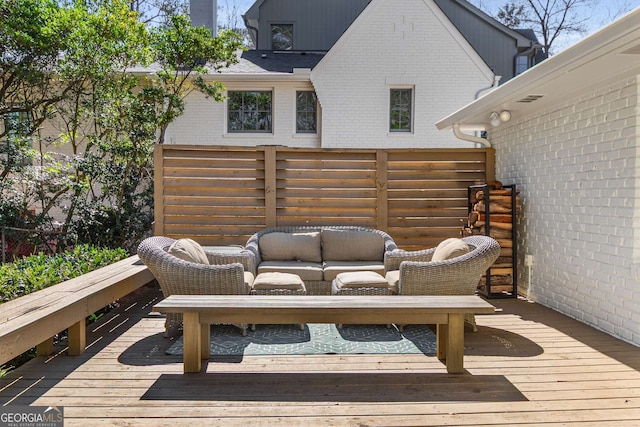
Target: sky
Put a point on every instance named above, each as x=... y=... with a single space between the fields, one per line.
x=596 y=16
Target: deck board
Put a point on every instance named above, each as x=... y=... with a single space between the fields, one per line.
x=526 y=366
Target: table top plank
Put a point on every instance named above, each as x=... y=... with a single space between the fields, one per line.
x=381 y=303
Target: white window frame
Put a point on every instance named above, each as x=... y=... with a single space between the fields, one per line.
x=250 y=131
x=306 y=132
x=411 y=110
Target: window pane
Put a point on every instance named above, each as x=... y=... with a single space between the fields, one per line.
x=306 y=112
x=282 y=36
x=400 y=110
x=522 y=64
x=249 y=111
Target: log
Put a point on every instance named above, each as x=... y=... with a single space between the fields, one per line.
x=497 y=233
x=505 y=279
x=501 y=225
x=493 y=207
x=494 y=218
x=505 y=243
x=504 y=260
x=492 y=193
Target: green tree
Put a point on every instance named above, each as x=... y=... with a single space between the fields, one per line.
x=186 y=54
x=32 y=39
x=106 y=105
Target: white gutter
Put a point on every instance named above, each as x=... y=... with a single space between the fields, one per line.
x=469 y=138
x=611 y=44
x=253 y=77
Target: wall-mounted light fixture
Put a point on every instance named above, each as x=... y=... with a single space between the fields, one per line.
x=496 y=118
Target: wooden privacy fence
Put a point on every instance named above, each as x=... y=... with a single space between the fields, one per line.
x=221 y=195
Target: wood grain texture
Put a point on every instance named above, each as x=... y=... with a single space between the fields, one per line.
x=527 y=365
x=225 y=194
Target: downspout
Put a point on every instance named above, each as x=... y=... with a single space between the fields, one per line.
x=472 y=138
x=496 y=82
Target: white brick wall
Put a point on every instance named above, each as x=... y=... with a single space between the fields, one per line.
x=395 y=43
x=577 y=168
x=204 y=121
x=389 y=46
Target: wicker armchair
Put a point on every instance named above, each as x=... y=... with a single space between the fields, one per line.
x=226 y=276
x=418 y=275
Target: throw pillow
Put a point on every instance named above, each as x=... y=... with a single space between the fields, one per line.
x=188 y=250
x=450 y=248
x=279 y=246
x=350 y=245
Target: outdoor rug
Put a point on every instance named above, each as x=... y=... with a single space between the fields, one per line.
x=227 y=340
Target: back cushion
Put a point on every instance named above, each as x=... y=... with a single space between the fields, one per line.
x=450 y=248
x=348 y=245
x=188 y=250
x=291 y=247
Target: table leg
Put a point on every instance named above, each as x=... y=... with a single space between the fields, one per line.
x=455 y=344
x=205 y=341
x=191 y=342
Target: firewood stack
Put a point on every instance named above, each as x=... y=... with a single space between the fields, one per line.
x=501 y=222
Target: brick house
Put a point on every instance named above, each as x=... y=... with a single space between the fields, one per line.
x=352 y=74
x=571 y=146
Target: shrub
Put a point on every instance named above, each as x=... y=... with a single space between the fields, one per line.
x=41 y=271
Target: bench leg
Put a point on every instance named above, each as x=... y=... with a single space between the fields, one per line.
x=455 y=344
x=442 y=331
x=192 y=342
x=77 y=337
x=45 y=348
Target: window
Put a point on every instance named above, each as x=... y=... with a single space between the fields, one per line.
x=282 y=36
x=16 y=130
x=249 y=111
x=306 y=112
x=400 y=110
x=522 y=64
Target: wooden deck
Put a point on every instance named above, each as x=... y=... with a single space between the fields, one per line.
x=526 y=366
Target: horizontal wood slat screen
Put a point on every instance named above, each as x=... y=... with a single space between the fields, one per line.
x=222 y=195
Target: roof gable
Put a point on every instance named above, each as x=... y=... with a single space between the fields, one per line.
x=446 y=24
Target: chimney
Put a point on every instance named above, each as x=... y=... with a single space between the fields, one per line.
x=204 y=13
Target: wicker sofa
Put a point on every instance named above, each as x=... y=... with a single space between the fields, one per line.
x=319 y=253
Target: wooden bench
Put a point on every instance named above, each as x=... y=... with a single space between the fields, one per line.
x=447 y=312
x=32 y=320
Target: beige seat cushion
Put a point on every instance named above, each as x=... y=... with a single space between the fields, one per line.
x=348 y=245
x=291 y=247
x=188 y=250
x=309 y=271
x=450 y=248
x=360 y=279
x=333 y=268
x=270 y=281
